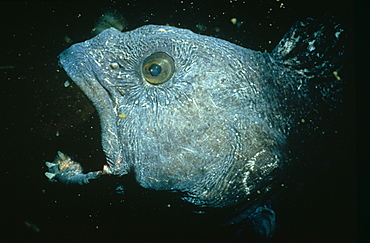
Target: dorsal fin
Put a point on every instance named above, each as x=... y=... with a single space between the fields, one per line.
x=312 y=47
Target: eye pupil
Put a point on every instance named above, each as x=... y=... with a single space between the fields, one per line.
x=155 y=69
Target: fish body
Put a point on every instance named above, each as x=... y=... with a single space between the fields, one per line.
x=200 y=115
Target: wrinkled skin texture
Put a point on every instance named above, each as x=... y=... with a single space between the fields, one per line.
x=217 y=130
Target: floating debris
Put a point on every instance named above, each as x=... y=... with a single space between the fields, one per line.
x=32 y=225
x=7 y=67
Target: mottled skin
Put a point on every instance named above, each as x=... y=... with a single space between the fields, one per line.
x=217 y=130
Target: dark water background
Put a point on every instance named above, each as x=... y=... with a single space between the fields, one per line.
x=40 y=116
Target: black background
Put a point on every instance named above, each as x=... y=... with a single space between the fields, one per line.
x=40 y=116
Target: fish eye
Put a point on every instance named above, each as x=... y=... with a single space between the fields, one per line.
x=158 y=68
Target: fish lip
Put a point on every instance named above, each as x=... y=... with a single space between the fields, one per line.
x=81 y=72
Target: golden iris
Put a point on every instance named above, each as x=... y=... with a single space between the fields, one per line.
x=158 y=68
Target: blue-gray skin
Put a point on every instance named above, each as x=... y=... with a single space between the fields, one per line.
x=199 y=115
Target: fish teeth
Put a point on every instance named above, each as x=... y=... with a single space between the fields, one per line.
x=49 y=164
x=62 y=156
x=49 y=175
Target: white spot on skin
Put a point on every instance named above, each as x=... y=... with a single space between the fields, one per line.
x=114 y=65
x=289 y=45
x=311 y=46
x=337 y=34
x=164 y=30
x=179 y=41
x=251 y=163
x=245 y=179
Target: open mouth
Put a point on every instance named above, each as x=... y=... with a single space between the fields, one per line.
x=74 y=61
